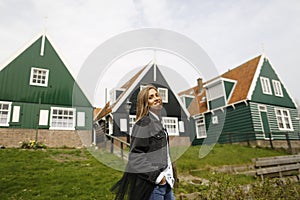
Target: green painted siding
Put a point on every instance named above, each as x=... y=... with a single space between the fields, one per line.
x=255 y=117
x=238 y=119
x=15 y=78
x=277 y=134
x=217 y=103
x=29 y=116
x=188 y=101
x=228 y=88
x=258 y=96
x=62 y=90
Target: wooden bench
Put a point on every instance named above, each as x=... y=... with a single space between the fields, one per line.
x=277 y=166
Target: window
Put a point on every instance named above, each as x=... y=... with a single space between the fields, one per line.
x=200 y=127
x=115 y=94
x=215 y=120
x=132 y=119
x=277 y=88
x=39 y=77
x=215 y=90
x=163 y=92
x=283 y=119
x=265 y=84
x=186 y=100
x=62 y=118
x=171 y=124
x=4 y=113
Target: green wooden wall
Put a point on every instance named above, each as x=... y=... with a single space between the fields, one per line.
x=15 y=77
x=258 y=96
x=62 y=90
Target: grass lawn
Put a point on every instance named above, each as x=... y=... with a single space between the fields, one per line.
x=76 y=174
x=54 y=174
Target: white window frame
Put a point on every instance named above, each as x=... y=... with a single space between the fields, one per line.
x=171 y=124
x=113 y=94
x=142 y=87
x=35 y=79
x=215 y=90
x=132 y=119
x=6 y=116
x=215 y=120
x=277 y=88
x=61 y=116
x=183 y=99
x=163 y=92
x=265 y=85
x=283 y=120
x=200 y=127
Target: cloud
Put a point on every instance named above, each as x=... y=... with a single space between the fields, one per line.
x=230 y=31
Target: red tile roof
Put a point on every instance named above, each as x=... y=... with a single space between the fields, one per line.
x=243 y=75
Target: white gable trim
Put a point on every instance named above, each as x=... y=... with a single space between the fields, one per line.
x=60 y=55
x=43 y=45
x=19 y=51
x=130 y=89
x=282 y=82
x=232 y=90
x=27 y=45
x=255 y=77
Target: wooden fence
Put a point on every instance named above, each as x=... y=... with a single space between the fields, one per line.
x=278 y=166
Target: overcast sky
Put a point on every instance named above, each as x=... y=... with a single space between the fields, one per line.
x=230 y=31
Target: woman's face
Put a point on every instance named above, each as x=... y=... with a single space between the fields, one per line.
x=154 y=100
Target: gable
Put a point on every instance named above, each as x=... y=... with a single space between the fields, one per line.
x=149 y=75
x=228 y=86
x=268 y=73
x=61 y=88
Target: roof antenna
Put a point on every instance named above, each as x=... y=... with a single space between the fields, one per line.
x=263 y=48
x=45 y=24
x=154 y=64
x=154 y=57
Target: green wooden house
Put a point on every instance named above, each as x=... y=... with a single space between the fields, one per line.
x=38 y=95
x=247 y=103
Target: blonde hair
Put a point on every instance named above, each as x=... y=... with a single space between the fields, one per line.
x=142 y=107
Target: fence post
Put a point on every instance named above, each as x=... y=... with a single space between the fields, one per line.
x=122 y=154
x=112 y=145
x=288 y=142
x=270 y=139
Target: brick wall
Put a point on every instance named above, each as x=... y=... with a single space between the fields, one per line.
x=51 y=138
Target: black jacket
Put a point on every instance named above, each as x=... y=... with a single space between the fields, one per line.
x=147 y=159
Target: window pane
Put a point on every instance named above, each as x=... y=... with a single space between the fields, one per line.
x=62 y=118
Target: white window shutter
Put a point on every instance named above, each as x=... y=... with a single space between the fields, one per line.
x=16 y=114
x=181 y=126
x=81 y=119
x=123 y=125
x=43 y=119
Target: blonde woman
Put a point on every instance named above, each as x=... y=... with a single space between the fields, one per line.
x=149 y=173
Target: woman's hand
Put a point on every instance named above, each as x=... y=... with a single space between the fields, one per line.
x=163 y=181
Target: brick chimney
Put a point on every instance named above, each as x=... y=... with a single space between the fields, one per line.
x=200 y=83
